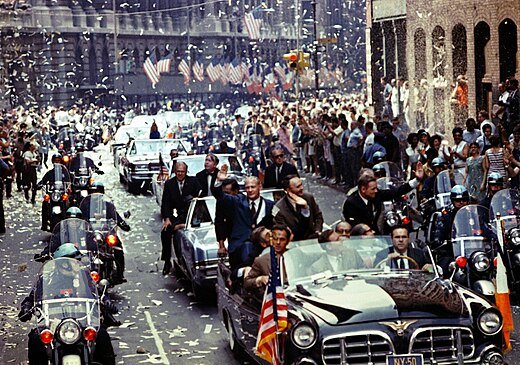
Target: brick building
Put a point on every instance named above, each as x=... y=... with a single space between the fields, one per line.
x=432 y=42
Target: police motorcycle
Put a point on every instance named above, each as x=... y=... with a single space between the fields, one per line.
x=396 y=212
x=474 y=249
x=434 y=208
x=56 y=196
x=67 y=311
x=504 y=215
x=81 y=175
x=66 y=143
x=100 y=212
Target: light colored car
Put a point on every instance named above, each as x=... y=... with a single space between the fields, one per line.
x=123 y=135
x=195 y=164
x=142 y=159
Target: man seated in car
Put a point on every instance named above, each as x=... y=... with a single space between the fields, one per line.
x=258 y=277
x=401 y=255
x=260 y=237
x=336 y=257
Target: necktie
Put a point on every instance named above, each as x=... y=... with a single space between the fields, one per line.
x=401 y=264
x=253 y=210
x=181 y=184
x=277 y=172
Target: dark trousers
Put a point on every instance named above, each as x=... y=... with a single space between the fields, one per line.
x=338 y=164
x=30 y=180
x=240 y=255
x=18 y=166
x=353 y=165
x=169 y=238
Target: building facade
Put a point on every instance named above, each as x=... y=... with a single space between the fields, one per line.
x=430 y=43
x=61 y=52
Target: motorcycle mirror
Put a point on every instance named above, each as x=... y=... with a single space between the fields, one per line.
x=104 y=282
x=127 y=214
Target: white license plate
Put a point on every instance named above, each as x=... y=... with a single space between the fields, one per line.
x=71 y=360
x=56 y=210
x=406 y=359
x=83 y=193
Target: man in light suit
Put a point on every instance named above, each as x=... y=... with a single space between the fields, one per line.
x=401 y=248
x=177 y=195
x=336 y=257
x=249 y=211
x=279 y=169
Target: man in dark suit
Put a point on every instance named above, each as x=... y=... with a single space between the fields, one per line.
x=401 y=248
x=178 y=192
x=275 y=173
x=223 y=217
x=208 y=176
x=249 y=211
x=298 y=210
x=364 y=205
x=257 y=278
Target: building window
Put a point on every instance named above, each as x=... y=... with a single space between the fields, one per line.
x=438 y=52
x=419 y=40
x=460 y=50
x=507 y=39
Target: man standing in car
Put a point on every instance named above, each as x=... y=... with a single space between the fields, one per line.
x=279 y=169
x=177 y=195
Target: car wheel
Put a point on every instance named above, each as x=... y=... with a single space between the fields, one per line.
x=235 y=348
x=121 y=178
x=198 y=291
x=132 y=188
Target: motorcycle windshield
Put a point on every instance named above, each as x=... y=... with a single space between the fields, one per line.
x=100 y=212
x=66 y=290
x=446 y=180
x=82 y=165
x=75 y=231
x=392 y=170
x=388 y=183
x=470 y=230
x=256 y=141
x=506 y=203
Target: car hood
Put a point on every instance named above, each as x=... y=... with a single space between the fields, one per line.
x=377 y=297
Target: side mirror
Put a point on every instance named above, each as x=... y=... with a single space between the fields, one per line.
x=127 y=214
x=195 y=223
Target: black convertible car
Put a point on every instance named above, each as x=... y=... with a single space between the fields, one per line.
x=366 y=313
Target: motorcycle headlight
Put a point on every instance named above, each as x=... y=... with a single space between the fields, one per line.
x=56 y=196
x=514 y=236
x=480 y=261
x=83 y=181
x=489 y=322
x=69 y=332
x=392 y=219
x=303 y=335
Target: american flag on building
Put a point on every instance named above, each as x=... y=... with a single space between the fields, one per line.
x=198 y=70
x=212 y=72
x=273 y=317
x=253 y=23
x=150 y=68
x=184 y=69
x=165 y=64
x=223 y=69
x=235 y=76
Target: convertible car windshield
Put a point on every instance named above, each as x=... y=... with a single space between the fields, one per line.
x=156 y=146
x=306 y=260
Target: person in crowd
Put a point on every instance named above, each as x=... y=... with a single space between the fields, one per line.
x=471 y=133
x=343 y=229
x=375 y=153
x=437 y=165
x=208 y=175
x=514 y=160
x=365 y=205
x=257 y=278
x=412 y=154
x=249 y=211
x=45 y=144
x=483 y=139
x=459 y=152
x=512 y=106
x=362 y=230
x=475 y=176
x=438 y=149
x=401 y=255
x=496 y=157
x=177 y=194
x=390 y=142
x=223 y=217
x=298 y=210
x=387 y=96
x=275 y=173
x=31 y=161
x=354 y=150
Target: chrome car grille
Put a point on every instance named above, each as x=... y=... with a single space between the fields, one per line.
x=357 y=348
x=440 y=344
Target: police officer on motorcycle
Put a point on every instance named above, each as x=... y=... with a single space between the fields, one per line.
x=77 y=162
x=37 y=354
x=438 y=164
x=495 y=183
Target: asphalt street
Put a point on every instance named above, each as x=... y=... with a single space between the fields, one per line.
x=161 y=322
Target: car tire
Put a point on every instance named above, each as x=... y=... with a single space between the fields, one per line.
x=235 y=348
x=121 y=179
x=198 y=291
x=132 y=188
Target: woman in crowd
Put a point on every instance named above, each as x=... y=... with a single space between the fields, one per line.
x=459 y=152
x=475 y=174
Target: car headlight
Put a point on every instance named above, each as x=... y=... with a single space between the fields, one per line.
x=392 y=219
x=69 y=332
x=56 y=196
x=480 y=261
x=514 y=236
x=303 y=335
x=489 y=322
